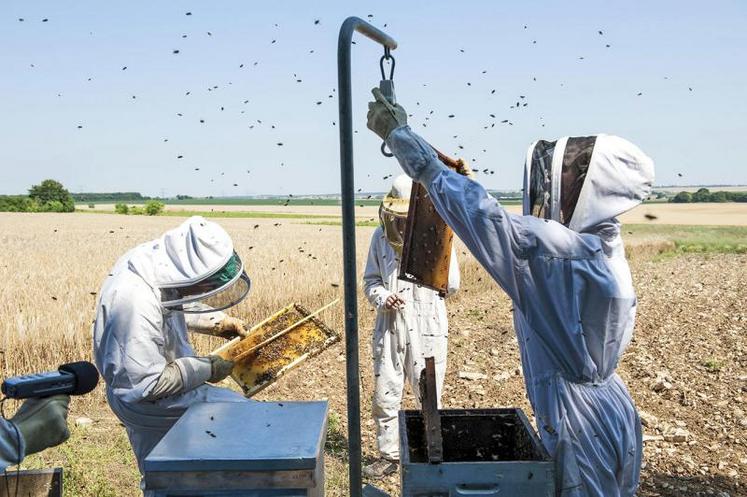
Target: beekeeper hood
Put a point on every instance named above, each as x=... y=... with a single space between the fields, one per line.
x=194 y=262
x=584 y=181
x=393 y=211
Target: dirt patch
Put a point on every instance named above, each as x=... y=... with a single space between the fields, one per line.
x=692 y=325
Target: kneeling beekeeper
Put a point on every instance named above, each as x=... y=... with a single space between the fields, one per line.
x=563 y=265
x=152 y=295
x=411 y=324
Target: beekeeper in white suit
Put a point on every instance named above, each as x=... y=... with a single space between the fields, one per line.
x=153 y=294
x=411 y=324
x=563 y=265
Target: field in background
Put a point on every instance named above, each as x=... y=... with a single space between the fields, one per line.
x=714 y=188
x=52 y=266
x=731 y=213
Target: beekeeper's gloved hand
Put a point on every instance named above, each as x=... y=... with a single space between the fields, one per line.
x=394 y=301
x=214 y=323
x=384 y=117
x=187 y=373
x=220 y=368
x=43 y=422
x=230 y=327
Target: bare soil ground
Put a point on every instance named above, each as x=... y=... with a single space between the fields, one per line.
x=691 y=333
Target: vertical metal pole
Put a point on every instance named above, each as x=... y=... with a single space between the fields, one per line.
x=344 y=92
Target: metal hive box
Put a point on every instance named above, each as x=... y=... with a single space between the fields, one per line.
x=241 y=449
x=486 y=452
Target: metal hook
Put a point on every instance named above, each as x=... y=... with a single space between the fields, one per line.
x=387 y=56
x=387 y=88
x=384 y=151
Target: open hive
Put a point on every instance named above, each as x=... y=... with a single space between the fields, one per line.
x=485 y=452
x=266 y=353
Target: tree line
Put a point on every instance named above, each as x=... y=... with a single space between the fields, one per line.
x=51 y=196
x=705 y=195
x=110 y=197
x=47 y=196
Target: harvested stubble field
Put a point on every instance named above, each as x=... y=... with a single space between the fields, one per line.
x=686 y=368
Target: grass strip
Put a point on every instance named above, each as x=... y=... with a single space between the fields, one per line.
x=695 y=238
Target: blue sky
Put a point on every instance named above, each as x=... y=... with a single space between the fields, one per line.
x=660 y=49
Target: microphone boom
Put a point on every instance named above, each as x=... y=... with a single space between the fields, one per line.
x=76 y=378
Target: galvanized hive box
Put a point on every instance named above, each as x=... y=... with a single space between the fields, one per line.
x=486 y=452
x=256 y=449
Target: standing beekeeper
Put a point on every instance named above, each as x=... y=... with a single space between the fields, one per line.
x=184 y=279
x=411 y=325
x=563 y=265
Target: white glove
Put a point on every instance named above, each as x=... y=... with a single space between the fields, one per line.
x=215 y=323
x=231 y=327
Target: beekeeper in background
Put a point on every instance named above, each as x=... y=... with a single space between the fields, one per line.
x=411 y=324
x=563 y=265
x=184 y=279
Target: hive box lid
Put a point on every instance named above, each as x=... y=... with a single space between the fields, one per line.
x=243 y=436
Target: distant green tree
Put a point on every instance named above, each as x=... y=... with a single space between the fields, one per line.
x=52 y=196
x=52 y=206
x=682 y=198
x=702 y=195
x=15 y=203
x=121 y=209
x=153 y=207
x=136 y=210
x=719 y=197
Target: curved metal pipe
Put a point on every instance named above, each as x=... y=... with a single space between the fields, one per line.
x=351 y=25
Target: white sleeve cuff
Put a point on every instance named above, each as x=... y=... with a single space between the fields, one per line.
x=415 y=155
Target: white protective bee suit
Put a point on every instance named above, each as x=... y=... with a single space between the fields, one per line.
x=574 y=302
x=136 y=336
x=403 y=337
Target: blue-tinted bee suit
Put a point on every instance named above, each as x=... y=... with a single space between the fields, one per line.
x=12 y=446
x=574 y=305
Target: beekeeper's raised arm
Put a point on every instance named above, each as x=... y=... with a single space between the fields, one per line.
x=475 y=216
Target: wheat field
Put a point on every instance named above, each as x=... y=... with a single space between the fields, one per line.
x=52 y=266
